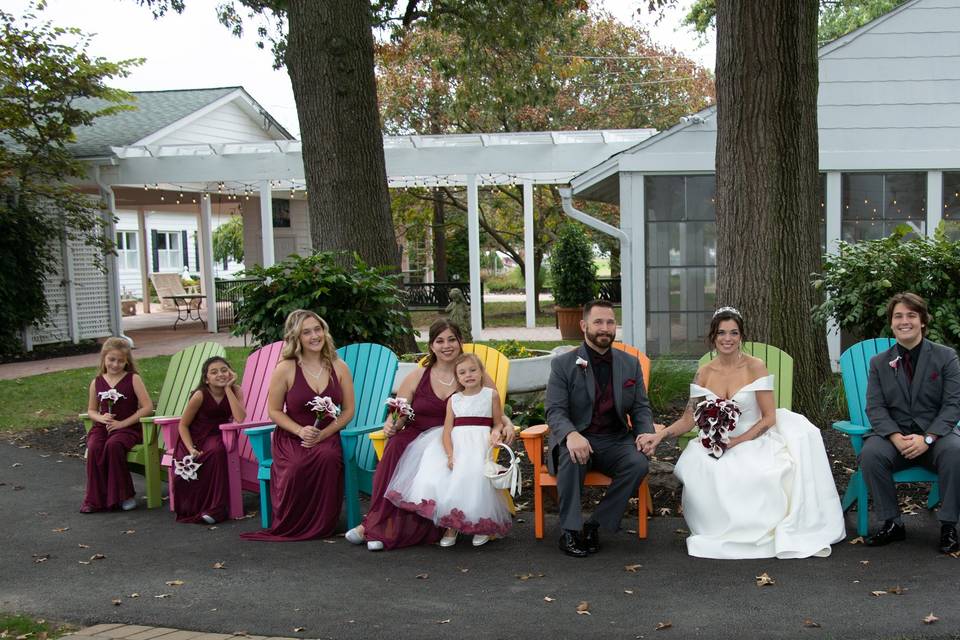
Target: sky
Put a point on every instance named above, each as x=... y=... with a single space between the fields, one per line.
x=193 y=50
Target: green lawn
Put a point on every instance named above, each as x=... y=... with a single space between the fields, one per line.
x=26 y=628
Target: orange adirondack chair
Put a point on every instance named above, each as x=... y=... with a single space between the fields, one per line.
x=533 y=441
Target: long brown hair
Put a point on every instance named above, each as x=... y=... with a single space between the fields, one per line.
x=291 y=337
x=722 y=314
x=116 y=344
x=205 y=368
x=439 y=326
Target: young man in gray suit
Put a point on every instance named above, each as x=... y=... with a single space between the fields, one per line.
x=591 y=392
x=913 y=403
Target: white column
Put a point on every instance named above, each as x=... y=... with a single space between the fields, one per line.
x=473 y=240
x=206 y=262
x=110 y=260
x=834 y=218
x=266 y=223
x=934 y=201
x=144 y=260
x=529 y=254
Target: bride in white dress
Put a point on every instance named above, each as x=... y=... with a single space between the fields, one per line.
x=771 y=493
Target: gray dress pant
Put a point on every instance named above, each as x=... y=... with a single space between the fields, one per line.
x=880 y=459
x=615 y=455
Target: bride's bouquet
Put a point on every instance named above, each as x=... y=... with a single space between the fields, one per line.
x=716 y=419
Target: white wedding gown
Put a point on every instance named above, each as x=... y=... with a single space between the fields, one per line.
x=773 y=496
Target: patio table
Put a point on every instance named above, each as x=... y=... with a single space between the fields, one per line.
x=188 y=307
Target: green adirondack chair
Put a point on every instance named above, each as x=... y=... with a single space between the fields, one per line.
x=778 y=362
x=183 y=373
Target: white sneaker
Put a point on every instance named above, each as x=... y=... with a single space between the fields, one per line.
x=374 y=545
x=480 y=540
x=354 y=536
x=208 y=518
x=129 y=504
x=449 y=540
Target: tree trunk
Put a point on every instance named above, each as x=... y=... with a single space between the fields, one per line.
x=330 y=61
x=767 y=173
x=439 y=238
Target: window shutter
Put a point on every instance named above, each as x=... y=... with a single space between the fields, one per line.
x=183 y=248
x=226 y=264
x=196 y=250
x=154 y=250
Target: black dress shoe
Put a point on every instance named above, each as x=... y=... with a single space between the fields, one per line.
x=889 y=532
x=948 y=539
x=571 y=545
x=591 y=537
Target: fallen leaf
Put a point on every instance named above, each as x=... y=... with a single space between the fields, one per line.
x=628 y=592
x=463 y=569
x=98 y=556
x=764 y=580
x=83 y=561
x=40 y=557
x=681 y=532
x=163 y=595
x=83 y=546
x=423 y=576
x=299 y=629
x=897 y=590
x=663 y=625
x=134 y=595
x=632 y=531
x=810 y=624
x=632 y=568
x=930 y=619
x=16 y=464
x=61 y=529
x=447 y=621
x=211 y=528
x=117 y=602
x=664 y=511
x=129 y=532
x=864 y=562
x=174 y=583
x=878 y=593
x=328 y=541
x=548 y=599
x=219 y=565
x=18 y=487
x=583 y=609
x=528 y=576
x=857 y=540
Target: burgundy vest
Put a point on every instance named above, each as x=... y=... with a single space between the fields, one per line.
x=604 y=418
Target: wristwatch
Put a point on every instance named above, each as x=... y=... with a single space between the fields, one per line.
x=929 y=440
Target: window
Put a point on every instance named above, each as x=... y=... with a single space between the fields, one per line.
x=128 y=254
x=951 y=204
x=281 y=214
x=874 y=204
x=169 y=251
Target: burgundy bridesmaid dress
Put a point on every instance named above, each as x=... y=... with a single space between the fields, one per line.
x=306 y=484
x=108 y=480
x=210 y=493
x=391 y=525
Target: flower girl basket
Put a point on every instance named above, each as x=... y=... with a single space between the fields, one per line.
x=503 y=477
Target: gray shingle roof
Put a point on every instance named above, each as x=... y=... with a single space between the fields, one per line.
x=154 y=111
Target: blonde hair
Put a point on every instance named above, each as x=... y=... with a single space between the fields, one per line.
x=116 y=344
x=463 y=357
x=292 y=349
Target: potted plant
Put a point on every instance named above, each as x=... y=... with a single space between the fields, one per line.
x=574 y=279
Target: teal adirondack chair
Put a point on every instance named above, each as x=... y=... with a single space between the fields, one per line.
x=778 y=362
x=373 y=368
x=241 y=462
x=183 y=373
x=855 y=369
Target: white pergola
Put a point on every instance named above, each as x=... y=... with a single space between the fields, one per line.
x=470 y=160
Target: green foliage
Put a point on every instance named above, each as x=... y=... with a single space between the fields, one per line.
x=18 y=626
x=358 y=302
x=860 y=279
x=669 y=383
x=571 y=265
x=514 y=350
x=49 y=86
x=458 y=256
x=228 y=241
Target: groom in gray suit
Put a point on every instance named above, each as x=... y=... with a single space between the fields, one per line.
x=591 y=392
x=913 y=403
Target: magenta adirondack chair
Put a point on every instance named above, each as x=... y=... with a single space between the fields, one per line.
x=241 y=463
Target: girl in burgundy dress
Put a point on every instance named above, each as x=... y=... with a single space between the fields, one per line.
x=306 y=479
x=387 y=526
x=216 y=400
x=117 y=401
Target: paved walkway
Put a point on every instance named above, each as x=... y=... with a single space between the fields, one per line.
x=141 y=632
x=61 y=565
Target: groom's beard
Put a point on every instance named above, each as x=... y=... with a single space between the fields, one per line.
x=602 y=340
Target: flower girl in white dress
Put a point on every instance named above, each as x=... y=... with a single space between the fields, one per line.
x=441 y=474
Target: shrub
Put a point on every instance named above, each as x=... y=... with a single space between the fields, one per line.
x=860 y=279
x=571 y=265
x=360 y=303
x=513 y=349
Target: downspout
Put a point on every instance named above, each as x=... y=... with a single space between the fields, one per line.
x=113 y=275
x=566 y=198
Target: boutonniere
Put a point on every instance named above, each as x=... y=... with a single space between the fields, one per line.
x=895 y=363
x=581 y=363
x=630 y=382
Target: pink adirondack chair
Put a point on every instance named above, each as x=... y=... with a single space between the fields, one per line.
x=242 y=465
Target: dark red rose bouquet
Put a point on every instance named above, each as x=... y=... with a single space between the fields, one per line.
x=716 y=419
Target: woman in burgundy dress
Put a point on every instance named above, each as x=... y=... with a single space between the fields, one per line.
x=217 y=400
x=306 y=479
x=386 y=526
x=117 y=401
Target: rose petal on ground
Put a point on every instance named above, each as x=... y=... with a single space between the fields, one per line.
x=163 y=595
x=219 y=565
x=930 y=619
x=447 y=621
x=548 y=599
x=423 y=576
x=117 y=602
x=98 y=556
x=583 y=609
x=40 y=557
x=663 y=625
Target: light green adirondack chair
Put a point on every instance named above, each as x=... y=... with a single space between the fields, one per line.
x=183 y=374
x=778 y=362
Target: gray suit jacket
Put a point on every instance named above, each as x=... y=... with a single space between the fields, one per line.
x=571 y=391
x=932 y=401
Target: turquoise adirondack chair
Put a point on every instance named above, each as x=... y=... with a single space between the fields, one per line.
x=241 y=461
x=855 y=369
x=373 y=368
x=778 y=362
x=183 y=372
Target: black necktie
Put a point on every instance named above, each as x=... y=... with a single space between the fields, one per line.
x=908 y=367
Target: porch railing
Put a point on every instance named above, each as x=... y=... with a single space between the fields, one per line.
x=229 y=295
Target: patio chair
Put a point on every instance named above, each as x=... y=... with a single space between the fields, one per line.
x=241 y=461
x=855 y=368
x=533 y=441
x=167 y=285
x=183 y=373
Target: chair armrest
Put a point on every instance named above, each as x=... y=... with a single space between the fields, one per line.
x=851 y=429
x=353 y=432
x=237 y=426
x=87 y=421
x=536 y=431
x=533 y=443
x=164 y=421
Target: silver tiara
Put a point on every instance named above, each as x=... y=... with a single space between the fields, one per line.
x=732 y=310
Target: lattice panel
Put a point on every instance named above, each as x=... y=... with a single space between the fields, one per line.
x=92 y=296
x=57 y=327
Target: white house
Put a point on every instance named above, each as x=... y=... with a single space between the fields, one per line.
x=888 y=109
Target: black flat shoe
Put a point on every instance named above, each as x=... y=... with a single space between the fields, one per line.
x=591 y=537
x=571 y=545
x=948 y=539
x=889 y=532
